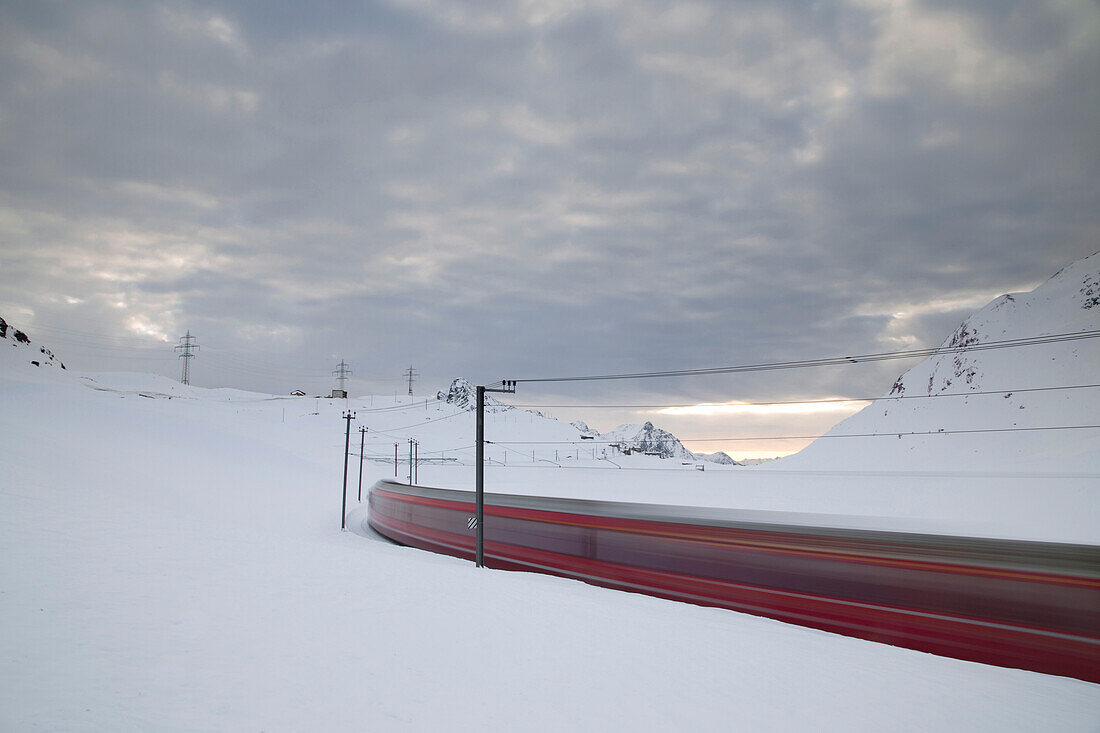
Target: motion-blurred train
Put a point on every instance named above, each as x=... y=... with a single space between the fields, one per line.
x=1030 y=605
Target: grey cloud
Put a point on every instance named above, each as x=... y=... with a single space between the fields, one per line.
x=521 y=189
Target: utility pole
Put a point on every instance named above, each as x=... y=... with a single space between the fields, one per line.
x=186 y=346
x=479 y=484
x=342 y=372
x=411 y=441
x=507 y=387
x=411 y=374
x=349 y=416
x=395 y=460
x=362 y=440
x=416 y=462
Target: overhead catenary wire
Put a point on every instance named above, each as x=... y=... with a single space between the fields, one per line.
x=770 y=472
x=890 y=434
x=829 y=400
x=419 y=424
x=457 y=413
x=827 y=361
x=401 y=406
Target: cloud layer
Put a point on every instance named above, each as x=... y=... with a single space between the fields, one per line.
x=526 y=189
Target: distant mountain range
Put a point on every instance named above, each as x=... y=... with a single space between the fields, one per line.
x=628 y=438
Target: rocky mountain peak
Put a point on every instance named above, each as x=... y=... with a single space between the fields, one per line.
x=648 y=438
x=463 y=395
x=583 y=429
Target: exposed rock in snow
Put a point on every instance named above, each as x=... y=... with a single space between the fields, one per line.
x=463 y=395
x=38 y=356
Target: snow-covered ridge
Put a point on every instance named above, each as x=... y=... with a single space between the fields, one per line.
x=1033 y=396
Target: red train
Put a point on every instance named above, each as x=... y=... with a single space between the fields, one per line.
x=1031 y=605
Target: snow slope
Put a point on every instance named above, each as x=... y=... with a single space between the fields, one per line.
x=177 y=565
x=946 y=387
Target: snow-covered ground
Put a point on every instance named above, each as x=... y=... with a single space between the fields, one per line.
x=177 y=564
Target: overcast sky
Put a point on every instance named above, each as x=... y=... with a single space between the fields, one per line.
x=520 y=189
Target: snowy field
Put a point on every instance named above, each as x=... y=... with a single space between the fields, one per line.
x=177 y=564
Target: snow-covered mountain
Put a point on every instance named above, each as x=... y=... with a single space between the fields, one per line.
x=721 y=458
x=991 y=409
x=650 y=439
x=647 y=438
x=463 y=395
x=583 y=429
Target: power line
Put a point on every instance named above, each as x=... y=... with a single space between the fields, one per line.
x=813 y=402
x=776 y=472
x=425 y=422
x=830 y=361
x=85 y=334
x=139 y=342
x=893 y=434
x=119 y=347
x=398 y=407
x=268 y=374
x=234 y=358
x=92 y=346
x=404 y=408
x=149 y=347
x=125 y=357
